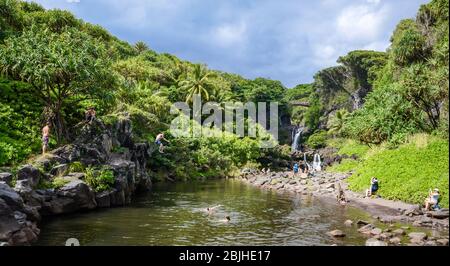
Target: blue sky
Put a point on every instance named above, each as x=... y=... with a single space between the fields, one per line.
x=286 y=40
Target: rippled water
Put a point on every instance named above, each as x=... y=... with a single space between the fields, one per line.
x=174 y=214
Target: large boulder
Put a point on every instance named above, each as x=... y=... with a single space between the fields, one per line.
x=82 y=195
x=30 y=173
x=70 y=153
x=16 y=228
x=6 y=177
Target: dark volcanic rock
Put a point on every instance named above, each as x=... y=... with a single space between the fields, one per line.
x=30 y=173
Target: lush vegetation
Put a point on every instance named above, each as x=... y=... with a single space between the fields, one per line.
x=54 y=65
x=371 y=104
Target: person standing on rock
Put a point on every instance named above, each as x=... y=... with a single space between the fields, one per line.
x=158 y=141
x=295 y=168
x=45 y=137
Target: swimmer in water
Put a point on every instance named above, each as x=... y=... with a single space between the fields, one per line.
x=226 y=220
x=210 y=210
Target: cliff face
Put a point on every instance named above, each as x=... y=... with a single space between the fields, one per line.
x=97 y=145
x=345 y=86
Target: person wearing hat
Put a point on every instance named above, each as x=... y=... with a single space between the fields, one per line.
x=433 y=199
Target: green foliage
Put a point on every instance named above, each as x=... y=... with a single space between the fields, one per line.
x=76 y=167
x=408 y=172
x=317 y=140
x=348 y=147
x=19 y=122
x=55 y=183
x=62 y=68
x=198 y=84
x=337 y=122
x=346 y=165
x=99 y=179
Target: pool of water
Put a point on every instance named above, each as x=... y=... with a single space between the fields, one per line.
x=175 y=214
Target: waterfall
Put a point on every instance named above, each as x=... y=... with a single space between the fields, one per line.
x=296 y=139
x=306 y=162
x=317 y=164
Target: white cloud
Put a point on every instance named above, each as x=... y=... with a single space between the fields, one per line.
x=362 y=23
x=72 y=1
x=230 y=34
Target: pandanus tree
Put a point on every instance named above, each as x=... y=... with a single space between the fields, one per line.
x=198 y=83
x=63 y=69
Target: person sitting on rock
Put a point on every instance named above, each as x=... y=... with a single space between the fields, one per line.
x=373 y=187
x=432 y=202
x=90 y=114
x=159 y=140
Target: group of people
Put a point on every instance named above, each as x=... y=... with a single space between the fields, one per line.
x=300 y=167
x=90 y=115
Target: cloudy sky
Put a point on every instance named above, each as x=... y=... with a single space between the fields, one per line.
x=287 y=40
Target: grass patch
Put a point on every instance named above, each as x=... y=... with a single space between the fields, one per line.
x=345 y=166
x=408 y=172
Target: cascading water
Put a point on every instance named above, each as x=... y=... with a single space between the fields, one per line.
x=296 y=139
x=306 y=162
x=317 y=164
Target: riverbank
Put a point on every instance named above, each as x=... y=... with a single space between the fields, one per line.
x=325 y=185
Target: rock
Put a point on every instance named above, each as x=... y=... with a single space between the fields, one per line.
x=376 y=231
x=23 y=187
x=405 y=227
x=418 y=236
x=60 y=170
x=430 y=243
x=6 y=177
x=336 y=233
x=11 y=197
x=4 y=244
x=15 y=229
x=74 y=196
x=361 y=222
x=413 y=211
x=103 y=199
x=348 y=223
x=385 y=236
x=399 y=232
x=330 y=186
x=443 y=242
x=439 y=214
x=395 y=240
x=372 y=242
x=366 y=229
x=30 y=173
x=69 y=153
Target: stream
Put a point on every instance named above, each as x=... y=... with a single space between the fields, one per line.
x=175 y=214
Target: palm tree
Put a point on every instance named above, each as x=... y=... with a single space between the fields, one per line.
x=336 y=123
x=141 y=47
x=198 y=83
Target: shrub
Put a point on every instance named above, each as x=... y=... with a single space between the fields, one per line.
x=317 y=140
x=100 y=180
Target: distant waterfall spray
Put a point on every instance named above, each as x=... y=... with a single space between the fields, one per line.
x=317 y=164
x=306 y=162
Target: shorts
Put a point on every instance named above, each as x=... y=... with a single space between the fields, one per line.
x=45 y=141
x=373 y=189
x=158 y=142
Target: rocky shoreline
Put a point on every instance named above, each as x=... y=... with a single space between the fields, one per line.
x=325 y=185
x=23 y=203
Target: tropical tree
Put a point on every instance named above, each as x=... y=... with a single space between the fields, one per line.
x=198 y=83
x=141 y=47
x=63 y=69
x=337 y=122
